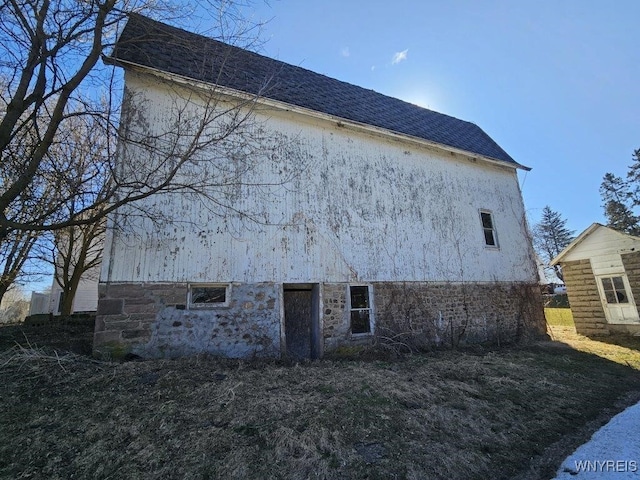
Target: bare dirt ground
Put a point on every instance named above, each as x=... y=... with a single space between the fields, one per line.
x=504 y=413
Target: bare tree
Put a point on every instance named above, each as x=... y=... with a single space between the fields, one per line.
x=50 y=55
x=78 y=153
x=42 y=93
x=15 y=251
x=14 y=307
x=52 y=78
x=17 y=248
x=82 y=148
x=75 y=253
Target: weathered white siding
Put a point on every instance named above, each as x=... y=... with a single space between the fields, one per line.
x=39 y=303
x=603 y=247
x=347 y=205
x=86 y=298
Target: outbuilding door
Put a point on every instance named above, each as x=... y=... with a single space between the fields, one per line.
x=301 y=320
x=617 y=299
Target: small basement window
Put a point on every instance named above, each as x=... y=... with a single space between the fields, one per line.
x=614 y=291
x=488 y=227
x=208 y=295
x=360 y=306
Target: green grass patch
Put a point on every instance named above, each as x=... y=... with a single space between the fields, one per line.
x=559 y=317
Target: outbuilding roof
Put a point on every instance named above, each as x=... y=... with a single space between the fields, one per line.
x=155 y=45
x=577 y=242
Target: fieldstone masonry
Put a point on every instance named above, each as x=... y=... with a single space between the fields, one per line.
x=435 y=314
x=336 y=327
x=151 y=320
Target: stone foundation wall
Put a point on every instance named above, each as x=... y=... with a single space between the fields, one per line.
x=424 y=315
x=427 y=314
x=151 y=320
x=582 y=290
x=336 y=328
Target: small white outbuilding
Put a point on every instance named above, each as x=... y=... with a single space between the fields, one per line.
x=601 y=270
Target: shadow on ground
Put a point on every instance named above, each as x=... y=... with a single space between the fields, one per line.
x=71 y=334
x=621 y=340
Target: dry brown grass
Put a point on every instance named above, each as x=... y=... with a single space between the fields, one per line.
x=620 y=348
x=505 y=413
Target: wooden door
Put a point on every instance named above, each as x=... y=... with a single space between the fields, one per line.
x=617 y=299
x=301 y=320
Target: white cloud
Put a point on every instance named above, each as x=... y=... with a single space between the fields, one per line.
x=399 y=56
x=345 y=52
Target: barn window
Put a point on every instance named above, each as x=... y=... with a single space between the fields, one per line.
x=614 y=291
x=208 y=295
x=360 y=309
x=488 y=228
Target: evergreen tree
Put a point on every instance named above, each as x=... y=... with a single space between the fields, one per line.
x=620 y=217
x=633 y=178
x=550 y=237
x=620 y=197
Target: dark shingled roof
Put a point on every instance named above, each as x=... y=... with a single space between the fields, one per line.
x=153 y=44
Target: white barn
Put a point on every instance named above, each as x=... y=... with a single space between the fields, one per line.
x=84 y=301
x=364 y=218
x=74 y=252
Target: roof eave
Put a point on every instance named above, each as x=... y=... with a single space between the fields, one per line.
x=340 y=121
x=575 y=243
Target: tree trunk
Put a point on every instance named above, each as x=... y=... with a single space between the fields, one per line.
x=69 y=294
x=70 y=287
x=66 y=308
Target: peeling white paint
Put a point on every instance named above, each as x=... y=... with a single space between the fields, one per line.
x=359 y=207
x=603 y=247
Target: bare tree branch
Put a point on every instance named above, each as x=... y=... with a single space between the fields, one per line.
x=61 y=119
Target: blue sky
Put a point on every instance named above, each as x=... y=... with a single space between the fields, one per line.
x=555 y=83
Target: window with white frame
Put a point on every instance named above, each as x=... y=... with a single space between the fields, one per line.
x=488 y=228
x=208 y=295
x=614 y=291
x=360 y=309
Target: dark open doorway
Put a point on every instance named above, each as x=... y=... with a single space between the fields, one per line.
x=301 y=320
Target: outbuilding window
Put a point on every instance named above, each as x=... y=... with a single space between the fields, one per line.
x=360 y=309
x=488 y=228
x=208 y=295
x=614 y=291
